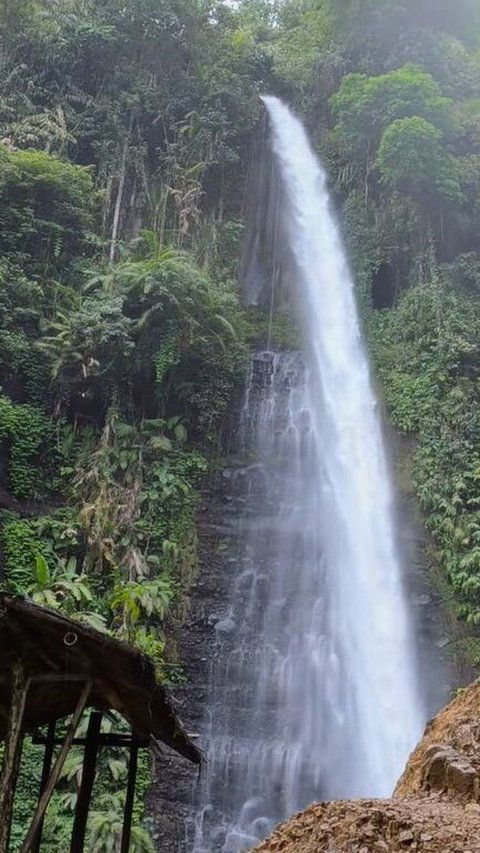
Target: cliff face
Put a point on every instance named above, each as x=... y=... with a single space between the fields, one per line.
x=447 y=760
x=173 y=799
x=435 y=807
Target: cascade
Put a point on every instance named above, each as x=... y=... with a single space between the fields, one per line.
x=314 y=693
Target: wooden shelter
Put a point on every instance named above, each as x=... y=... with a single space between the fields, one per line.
x=52 y=667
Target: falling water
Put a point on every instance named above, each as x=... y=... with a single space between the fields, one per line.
x=314 y=692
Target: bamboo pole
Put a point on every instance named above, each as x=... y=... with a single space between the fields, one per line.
x=47 y=766
x=56 y=770
x=88 y=779
x=13 y=751
x=130 y=797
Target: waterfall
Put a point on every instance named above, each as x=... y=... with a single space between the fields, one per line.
x=314 y=691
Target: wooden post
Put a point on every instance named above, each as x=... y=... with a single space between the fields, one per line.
x=88 y=779
x=12 y=753
x=47 y=765
x=57 y=769
x=130 y=798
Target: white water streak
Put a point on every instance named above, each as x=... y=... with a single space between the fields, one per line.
x=364 y=570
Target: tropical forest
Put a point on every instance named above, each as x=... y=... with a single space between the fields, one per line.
x=240 y=407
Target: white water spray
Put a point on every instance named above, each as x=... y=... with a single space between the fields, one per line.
x=364 y=571
x=316 y=695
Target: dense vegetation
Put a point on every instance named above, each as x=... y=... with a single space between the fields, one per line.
x=125 y=133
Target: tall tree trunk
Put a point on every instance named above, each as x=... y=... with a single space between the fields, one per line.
x=119 y=199
x=12 y=752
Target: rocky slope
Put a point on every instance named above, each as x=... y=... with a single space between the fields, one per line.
x=435 y=807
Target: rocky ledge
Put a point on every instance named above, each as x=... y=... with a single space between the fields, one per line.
x=435 y=807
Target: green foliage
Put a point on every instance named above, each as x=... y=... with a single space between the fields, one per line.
x=89 y=347
x=27 y=431
x=27 y=792
x=21 y=546
x=121 y=334
x=406 y=155
x=137 y=326
x=134 y=600
x=426 y=355
x=22 y=301
x=107 y=814
x=366 y=106
x=279 y=330
x=105 y=829
x=306 y=37
x=168 y=356
x=47 y=208
x=59 y=589
x=412 y=160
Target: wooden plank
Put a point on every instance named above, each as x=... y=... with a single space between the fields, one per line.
x=30 y=644
x=57 y=678
x=130 y=797
x=13 y=751
x=57 y=769
x=88 y=779
x=117 y=740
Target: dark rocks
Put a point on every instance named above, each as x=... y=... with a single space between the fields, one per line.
x=171 y=800
x=449 y=771
x=226 y=626
x=421 y=600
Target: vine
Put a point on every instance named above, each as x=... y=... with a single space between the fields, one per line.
x=28 y=431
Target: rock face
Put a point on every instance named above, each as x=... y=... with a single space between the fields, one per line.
x=435 y=807
x=447 y=759
x=172 y=798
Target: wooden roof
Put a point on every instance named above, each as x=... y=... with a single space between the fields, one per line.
x=59 y=655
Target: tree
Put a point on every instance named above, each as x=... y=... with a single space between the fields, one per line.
x=365 y=106
x=306 y=34
x=47 y=209
x=412 y=159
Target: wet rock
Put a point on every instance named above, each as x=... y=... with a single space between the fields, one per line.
x=238 y=842
x=421 y=600
x=245 y=581
x=262 y=587
x=218 y=836
x=226 y=627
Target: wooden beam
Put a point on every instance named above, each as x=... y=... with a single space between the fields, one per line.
x=57 y=678
x=130 y=797
x=50 y=743
x=118 y=740
x=56 y=770
x=13 y=751
x=88 y=779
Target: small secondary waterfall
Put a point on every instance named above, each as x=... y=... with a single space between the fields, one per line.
x=314 y=693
